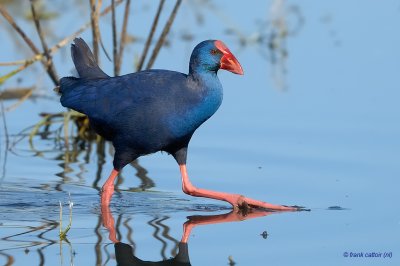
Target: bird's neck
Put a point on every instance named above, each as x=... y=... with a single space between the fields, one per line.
x=209 y=90
x=206 y=94
x=205 y=78
x=207 y=87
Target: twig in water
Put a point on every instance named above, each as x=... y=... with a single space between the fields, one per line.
x=94 y=19
x=55 y=48
x=12 y=73
x=49 y=64
x=150 y=37
x=48 y=119
x=12 y=22
x=27 y=40
x=13 y=63
x=7 y=142
x=164 y=34
x=63 y=233
x=122 y=40
x=67 y=117
x=14 y=93
x=114 y=36
x=20 y=101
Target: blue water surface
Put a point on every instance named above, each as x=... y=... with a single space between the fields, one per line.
x=313 y=122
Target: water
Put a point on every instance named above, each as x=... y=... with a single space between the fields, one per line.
x=316 y=128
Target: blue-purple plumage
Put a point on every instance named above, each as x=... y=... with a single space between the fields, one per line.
x=147 y=111
x=153 y=110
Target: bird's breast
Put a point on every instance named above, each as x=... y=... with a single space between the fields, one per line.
x=191 y=115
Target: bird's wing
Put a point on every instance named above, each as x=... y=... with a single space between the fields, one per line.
x=143 y=94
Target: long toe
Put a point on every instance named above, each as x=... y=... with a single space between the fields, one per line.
x=243 y=203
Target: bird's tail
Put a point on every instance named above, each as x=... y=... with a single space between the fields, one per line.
x=84 y=61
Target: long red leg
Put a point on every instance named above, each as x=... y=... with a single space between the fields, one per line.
x=236 y=200
x=108 y=188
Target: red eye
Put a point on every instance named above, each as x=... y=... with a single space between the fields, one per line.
x=214 y=51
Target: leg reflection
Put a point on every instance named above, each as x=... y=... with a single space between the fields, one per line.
x=232 y=216
x=124 y=252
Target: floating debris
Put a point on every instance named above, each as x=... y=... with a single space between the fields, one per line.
x=231 y=261
x=336 y=208
x=264 y=234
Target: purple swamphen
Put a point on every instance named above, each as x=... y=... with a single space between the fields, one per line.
x=153 y=110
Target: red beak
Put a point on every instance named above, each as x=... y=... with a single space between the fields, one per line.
x=228 y=60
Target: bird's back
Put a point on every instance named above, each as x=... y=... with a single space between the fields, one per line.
x=149 y=110
x=146 y=109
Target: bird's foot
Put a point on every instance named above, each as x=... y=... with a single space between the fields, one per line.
x=239 y=202
x=245 y=205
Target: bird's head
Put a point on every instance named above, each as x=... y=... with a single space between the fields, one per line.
x=213 y=55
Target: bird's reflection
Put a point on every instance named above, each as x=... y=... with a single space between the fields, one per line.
x=124 y=256
x=124 y=252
